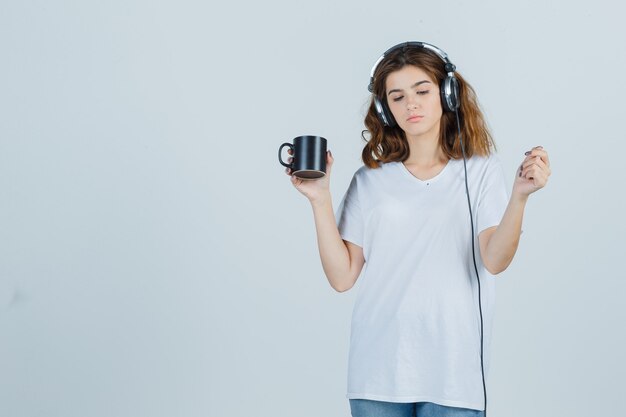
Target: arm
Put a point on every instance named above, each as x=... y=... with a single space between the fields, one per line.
x=498 y=244
x=342 y=261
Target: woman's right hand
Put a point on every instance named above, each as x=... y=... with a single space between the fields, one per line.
x=316 y=190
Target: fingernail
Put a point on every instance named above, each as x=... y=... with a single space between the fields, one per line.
x=331 y=154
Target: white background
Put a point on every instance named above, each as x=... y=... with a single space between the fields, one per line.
x=156 y=261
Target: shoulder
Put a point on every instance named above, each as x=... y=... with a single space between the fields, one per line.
x=485 y=161
x=489 y=164
x=381 y=169
x=364 y=172
x=482 y=169
x=371 y=180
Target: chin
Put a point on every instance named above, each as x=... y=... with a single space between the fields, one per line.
x=416 y=131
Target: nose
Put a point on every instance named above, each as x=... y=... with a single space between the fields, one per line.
x=411 y=103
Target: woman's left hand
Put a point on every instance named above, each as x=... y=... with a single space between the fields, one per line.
x=533 y=173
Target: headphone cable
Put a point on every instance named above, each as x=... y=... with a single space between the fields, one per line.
x=469 y=205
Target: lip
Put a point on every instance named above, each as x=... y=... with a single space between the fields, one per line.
x=415 y=118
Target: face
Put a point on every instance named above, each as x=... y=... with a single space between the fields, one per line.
x=413 y=98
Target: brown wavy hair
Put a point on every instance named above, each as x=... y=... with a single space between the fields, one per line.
x=389 y=144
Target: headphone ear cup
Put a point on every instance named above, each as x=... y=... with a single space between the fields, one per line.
x=450 y=93
x=383 y=113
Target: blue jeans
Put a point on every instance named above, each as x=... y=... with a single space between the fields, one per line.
x=371 y=408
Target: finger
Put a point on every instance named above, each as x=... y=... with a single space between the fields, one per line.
x=528 y=158
x=542 y=168
x=538 y=178
x=528 y=161
x=290 y=151
x=539 y=151
x=529 y=172
x=536 y=174
x=530 y=175
x=536 y=152
x=536 y=160
x=329 y=161
x=290 y=159
x=540 y=181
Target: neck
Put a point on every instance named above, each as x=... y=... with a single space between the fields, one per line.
x=425 y=151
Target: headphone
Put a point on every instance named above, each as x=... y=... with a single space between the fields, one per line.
x=449 y=102
x=449 y=87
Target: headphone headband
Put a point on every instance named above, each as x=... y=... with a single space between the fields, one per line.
x=449 y=66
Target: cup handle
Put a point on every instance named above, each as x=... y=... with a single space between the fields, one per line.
x=279 y=154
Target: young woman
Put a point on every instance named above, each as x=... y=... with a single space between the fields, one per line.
x=404 y=227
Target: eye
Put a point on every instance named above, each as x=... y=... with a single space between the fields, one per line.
x=398 y=98
x=423 y=92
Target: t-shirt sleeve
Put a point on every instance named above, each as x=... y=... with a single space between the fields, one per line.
x=493 y=197
x=349 y=216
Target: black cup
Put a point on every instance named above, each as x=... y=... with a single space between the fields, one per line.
x=309 y=157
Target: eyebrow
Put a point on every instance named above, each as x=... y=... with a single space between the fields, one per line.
x=397 y=90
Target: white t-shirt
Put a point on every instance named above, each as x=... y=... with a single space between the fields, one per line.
x=415 y=332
